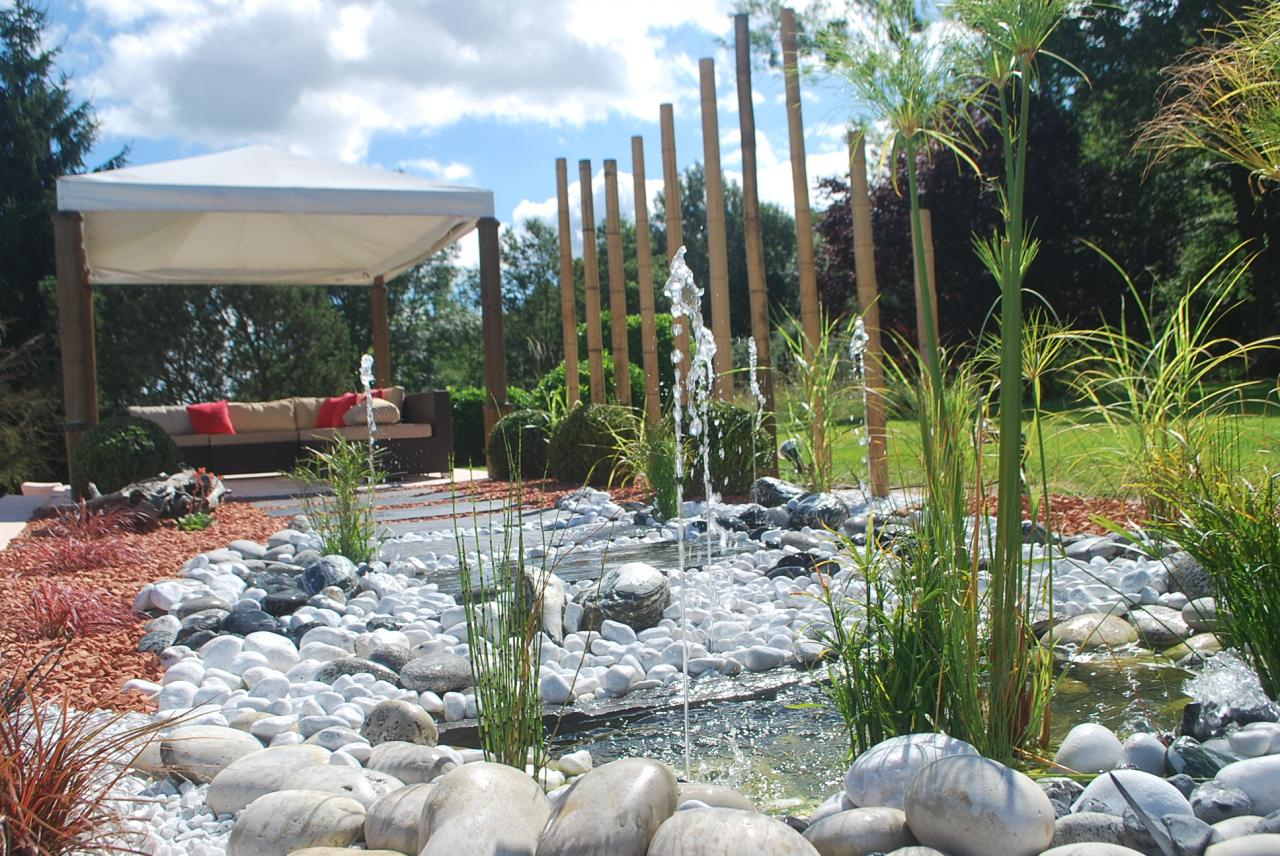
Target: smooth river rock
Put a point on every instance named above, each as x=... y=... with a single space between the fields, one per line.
x=860 y=831
x=717 y=796
x=363 y=786
x=440 y=673
x=1156 y=796
x=1092 y=849
x=1248 y=845
x=259 y=773
x=1094 y=631
x=279 y=823
x=399 y=720
x=727 y=832
x=881 y=775
x=411 y=763
x=1259 y=778
x=1089 y=748
x=199 y=752
x=1159 y=627
x=973 y=806
x=634 y=593
x=613 y=809
x=391 y=823
x=483 y=809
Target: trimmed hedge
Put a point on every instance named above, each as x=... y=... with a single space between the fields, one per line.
x=467 y=406
x=583 y=446
x=122 y=450
x=552 y=384
x=520 y=437
x=732 y=470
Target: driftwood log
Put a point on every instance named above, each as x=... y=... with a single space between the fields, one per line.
x=165 y=496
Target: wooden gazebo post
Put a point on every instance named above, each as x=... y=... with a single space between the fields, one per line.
x=568 y=301
x=75 y=325
x=495 y=353
x=381 y=329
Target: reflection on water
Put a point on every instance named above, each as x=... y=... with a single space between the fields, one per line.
x=787 y=753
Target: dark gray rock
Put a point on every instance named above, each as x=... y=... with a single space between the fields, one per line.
x=384 y=622
x=156 y=641
x=1101 y=546
x=394 y=657
x=1213 y=801
x=1186 y=755
x=440 y=673
x=1184 y=783
x=209 y=621
x=770 y=492
x=1209 y=719
x=196 y=639
x=753 y=517
x=201 y=604
x=334 y=570
x=1034 y=533
x=296 y=633
x=334 y=669
x=795 y=565
x=1090 y=826
x=1062 y=792
x=1188 y=576
x=246 y=621
x=634 y=594
x=819 y=511
x=284 y=602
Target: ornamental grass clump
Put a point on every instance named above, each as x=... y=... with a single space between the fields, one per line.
x=817 y=374
x=64 y=610
x=645 y=453
x=83 y=538
x=339 y=483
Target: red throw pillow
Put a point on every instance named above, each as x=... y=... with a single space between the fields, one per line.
x=211 y=417
x=333 y=409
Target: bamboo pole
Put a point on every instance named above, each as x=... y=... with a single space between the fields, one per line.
x=864 y=259
x=810 y=314
x=568 y=302
x=717 y=242
x=926 y=230
x=495 y=352
x=380 y=326
x=751 y=225
x=617 y=285
x=591 y=275
x=644 y=269
x=675 y=229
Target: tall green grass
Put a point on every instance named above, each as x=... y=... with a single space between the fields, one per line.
x=343 y=516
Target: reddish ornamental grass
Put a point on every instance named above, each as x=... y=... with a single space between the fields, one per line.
x=61 y=610
x=82 y=538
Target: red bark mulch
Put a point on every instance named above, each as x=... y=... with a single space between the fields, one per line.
x=92 y=670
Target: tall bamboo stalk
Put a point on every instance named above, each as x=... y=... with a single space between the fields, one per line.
x=644 y=270
x=568 y=302
x=864 y=259
x=675 y=229
x=756 y=284
x=717 y=242
x=810 y=312
x=617 y=285
x=591 y=275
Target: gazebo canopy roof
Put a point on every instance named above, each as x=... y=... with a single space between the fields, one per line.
x=255 y=215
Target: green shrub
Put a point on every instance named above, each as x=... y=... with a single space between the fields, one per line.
x=122 y=450
x=467 y=405
x=584 y=443
x=732 y=450
x=552 y=385
x=520 y=437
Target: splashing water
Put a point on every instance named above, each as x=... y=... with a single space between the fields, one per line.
x=858 y=355
x=757 y=396
x=366 y=380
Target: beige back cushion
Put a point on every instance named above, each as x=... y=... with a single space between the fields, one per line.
x=255 y=416
x=395 y=395
x=384 y=413
x=305 y=412
x=171 y=417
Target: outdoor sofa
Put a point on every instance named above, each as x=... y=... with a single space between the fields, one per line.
x=272 y=436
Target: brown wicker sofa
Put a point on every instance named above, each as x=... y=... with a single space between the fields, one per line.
x=271 y=436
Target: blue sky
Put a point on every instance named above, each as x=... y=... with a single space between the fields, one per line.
x=485 y=93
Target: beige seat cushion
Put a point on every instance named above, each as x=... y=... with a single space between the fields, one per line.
x=185 y=441
x=250 y=437
x=384 y=413
x=253 y=417
x=394 y=394
x=172 y=418
x=305 y=413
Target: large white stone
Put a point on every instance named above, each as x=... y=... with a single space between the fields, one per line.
x=281 y=653
x=279 y=823
x=613 y=809
x=859 y=831
x=1145 y=752
x=1089 y=748
x=200 y=752
x=392 y=821
x=1257 y=777
x=411 y=763
x=973 y=806
x=727 y=832
x=881 y=775
x=259 y=773
x=1266 y=844
x=1156 y=796
x=363 y=786
x=1092 y=848
x=483 y=809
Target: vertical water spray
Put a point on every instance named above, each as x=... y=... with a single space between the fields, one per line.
x=757 y=396
x=858 y=354
x=366 y=380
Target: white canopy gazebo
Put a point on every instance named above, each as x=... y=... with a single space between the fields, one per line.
x=258 y=216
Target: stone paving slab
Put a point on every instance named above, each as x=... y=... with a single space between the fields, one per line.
x=383 y=499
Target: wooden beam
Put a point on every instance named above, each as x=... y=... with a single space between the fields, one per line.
x=717 y=241
x=495 y=353
x=926 y=229
x=644 y=270
x=758 y=288
x=381 y=332
x=568 y=301
x=675 y=229
x=864 y=260
x=75 y=326
x=591 y=275
x=617 y=285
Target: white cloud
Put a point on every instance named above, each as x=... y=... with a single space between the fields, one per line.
x=434 y=169
x=548 y=210
x=323 y=76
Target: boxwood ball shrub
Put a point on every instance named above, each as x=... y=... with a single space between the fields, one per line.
x=732 y=450
x=467 y=406
x=583 y=447
x=521 y=436
x=122 y=450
